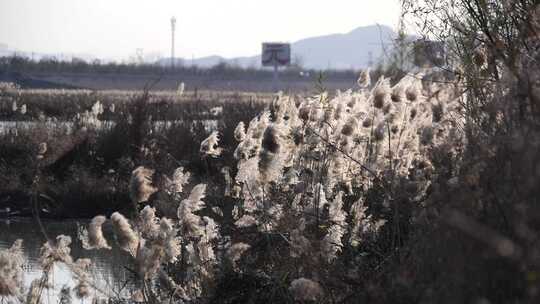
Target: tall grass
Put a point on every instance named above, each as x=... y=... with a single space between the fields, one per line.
x=318 y=182
x=95 y=139
x=412 y=191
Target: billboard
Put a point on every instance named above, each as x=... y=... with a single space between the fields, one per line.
x=276 y=54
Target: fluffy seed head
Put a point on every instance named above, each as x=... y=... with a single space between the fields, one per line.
x=350 y=127
x=140 y=185
x=303 y=112
x=234 y=253
x=190 y=223
x=380 y=93
x=246 y=221
x=58 y=251
x=397 y=93
x=413 y=113
x=270 y=140
x=127 y=238
x=364 y=80
x=93 y=238
x=178 y=180
x=11 y=272
x=149 y=226
x=210 y=147
x=367 y=122
x=81 y=269
x=412 y=93
x=240 y=132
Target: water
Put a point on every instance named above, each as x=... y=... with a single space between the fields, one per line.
x=107 y=271
x=66 y=127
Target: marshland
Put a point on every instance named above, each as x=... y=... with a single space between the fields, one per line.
x=412 y=179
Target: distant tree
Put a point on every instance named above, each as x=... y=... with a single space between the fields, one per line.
x=297 y=62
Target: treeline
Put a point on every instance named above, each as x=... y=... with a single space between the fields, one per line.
x=222 y=69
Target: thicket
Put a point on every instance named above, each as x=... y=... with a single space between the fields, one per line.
x=418 y=191
x=93 y=140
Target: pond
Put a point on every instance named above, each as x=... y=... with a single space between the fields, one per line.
x=108 y=272
x=66 y=127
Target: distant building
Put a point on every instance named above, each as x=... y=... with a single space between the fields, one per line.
x=429 y=53
x=3 y=46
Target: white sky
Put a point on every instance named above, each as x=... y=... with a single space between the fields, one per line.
x=116 y=28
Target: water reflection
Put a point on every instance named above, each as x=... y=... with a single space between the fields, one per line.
x=107 y=271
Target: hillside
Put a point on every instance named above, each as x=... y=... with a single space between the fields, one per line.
x=336 y=51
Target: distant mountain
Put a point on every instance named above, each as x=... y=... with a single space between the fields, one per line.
x=342 y=51
x=354 y=49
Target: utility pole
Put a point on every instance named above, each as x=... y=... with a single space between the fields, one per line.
x=275 y=77
x=173 y=28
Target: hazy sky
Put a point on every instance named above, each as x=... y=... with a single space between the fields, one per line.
x=116 y=28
